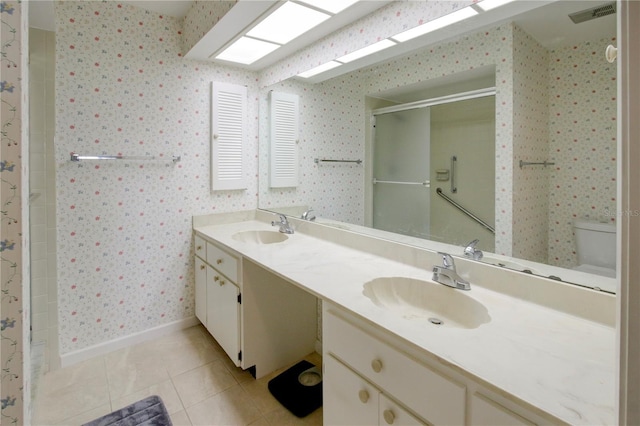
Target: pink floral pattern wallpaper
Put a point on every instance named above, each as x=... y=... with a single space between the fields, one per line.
x=14 y=305
x=125 y=255
x=202 y=16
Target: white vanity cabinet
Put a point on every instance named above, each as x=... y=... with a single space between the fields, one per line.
x=369 y=380
x=218 y=295
x=262 y=321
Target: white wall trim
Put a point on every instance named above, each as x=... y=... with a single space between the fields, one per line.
x=126 y=341
x=628 y=331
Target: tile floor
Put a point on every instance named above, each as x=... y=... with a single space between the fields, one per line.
x=187 y=369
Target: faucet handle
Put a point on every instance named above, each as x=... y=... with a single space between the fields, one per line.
x=471 y=251
x=447 y=260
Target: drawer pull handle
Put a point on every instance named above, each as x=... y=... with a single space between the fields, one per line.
x=216 y=278
x=364 y=396
x=219 y=261
x=389 y=417
x=199 y=248
x=202 y=267
x=376 y=365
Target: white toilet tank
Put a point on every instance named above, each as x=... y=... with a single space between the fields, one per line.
x=596 y=246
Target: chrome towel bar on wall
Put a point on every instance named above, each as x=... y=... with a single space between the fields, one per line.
x=76 y=157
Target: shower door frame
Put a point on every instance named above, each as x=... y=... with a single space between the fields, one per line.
x=370 y=142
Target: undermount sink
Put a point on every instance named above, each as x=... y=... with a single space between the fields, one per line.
x=419 y=300
x=260 y=237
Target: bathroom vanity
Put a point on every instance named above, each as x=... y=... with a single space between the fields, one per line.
x=497 y=354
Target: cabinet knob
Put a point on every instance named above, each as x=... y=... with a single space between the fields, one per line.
x=199 y=248
x=216 y=278
x=389 y=417
x=219 y=261
x=202 y=267
x=376 y=365
x=364 y=396
x=222 y=282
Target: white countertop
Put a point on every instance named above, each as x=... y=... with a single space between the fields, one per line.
x=561 y=364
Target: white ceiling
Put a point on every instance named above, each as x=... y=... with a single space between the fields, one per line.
x=548 y=24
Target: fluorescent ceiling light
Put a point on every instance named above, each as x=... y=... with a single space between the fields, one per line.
x=376 y=47
x=491 y=4
x=438 y=23
x=331 y=6
x=247 y=50
x=286 y=23
x=319 y=69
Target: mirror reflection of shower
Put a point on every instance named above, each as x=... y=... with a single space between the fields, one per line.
x=419 y=147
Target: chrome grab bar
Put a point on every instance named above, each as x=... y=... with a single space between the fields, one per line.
x=454 y=188
x=467 y=212
x=326 y=160
x=426 y=183
x=545 y=163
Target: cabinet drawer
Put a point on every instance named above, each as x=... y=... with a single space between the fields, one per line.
x=223 y=262
x=200 y=247
x=391 y=413
x=437 y=399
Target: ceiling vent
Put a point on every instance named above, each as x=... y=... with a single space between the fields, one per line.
x=593 y=13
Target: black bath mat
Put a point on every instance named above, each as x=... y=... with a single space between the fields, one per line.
x=147 y=412
x=299 y=399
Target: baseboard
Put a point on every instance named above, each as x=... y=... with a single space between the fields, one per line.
x=318 y=347
x=126 y=341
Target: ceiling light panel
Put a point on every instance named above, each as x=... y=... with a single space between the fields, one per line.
x=288 y=22
x=492 y=4
x=331 y=6
x=319 y=69
x=436 y=24
x=373 y=48
x=247 y=50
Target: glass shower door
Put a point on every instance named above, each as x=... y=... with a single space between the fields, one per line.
x=401 y=172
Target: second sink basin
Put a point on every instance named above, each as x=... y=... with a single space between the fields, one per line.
x=260 y=237
x=420 y=300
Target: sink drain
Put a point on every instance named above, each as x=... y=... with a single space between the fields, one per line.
x=435 y=321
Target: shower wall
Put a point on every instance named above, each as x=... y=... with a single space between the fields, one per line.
x=44 y=304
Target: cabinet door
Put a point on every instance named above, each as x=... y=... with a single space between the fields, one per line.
x=391 y=413
x=348 y=399
x=201 y=290
x=223 y=313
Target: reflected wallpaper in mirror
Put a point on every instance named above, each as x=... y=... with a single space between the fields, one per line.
x=551 y=104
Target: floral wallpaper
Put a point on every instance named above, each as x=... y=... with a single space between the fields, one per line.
x=14 y=315
x=125 y=255
x=582 y=143
x=201 y=17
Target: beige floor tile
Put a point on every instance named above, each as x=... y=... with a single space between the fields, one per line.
x=74 y=374
x=202 y=382
x=189 y=355
x=283 y=417
x=260 y=422
x=55 y=405
x=180 y=419
x=231 y=407
x=87 y=416
x=129 y=378
x=259 y=392
x=165 y=390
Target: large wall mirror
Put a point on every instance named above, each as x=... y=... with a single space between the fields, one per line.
x=514 y=122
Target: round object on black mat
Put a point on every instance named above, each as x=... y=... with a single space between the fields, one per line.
x=301 y=399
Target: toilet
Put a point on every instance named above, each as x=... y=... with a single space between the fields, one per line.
x=596 y=247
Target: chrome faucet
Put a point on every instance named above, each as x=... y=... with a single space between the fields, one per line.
x=472 y=252
x=285 y=226
x=308 y=215
x=447 y=275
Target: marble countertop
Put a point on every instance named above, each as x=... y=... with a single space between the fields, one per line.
x=561 y=364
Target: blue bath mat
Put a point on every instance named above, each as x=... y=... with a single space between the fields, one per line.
x=147 y=412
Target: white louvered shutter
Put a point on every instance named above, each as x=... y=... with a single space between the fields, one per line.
x=284 y=123
x=228 y=134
